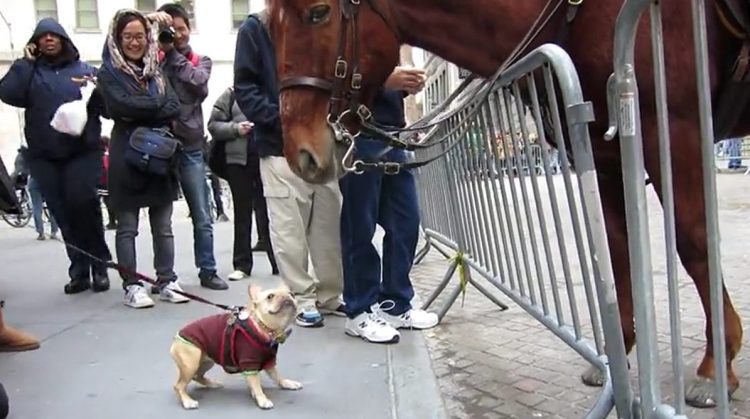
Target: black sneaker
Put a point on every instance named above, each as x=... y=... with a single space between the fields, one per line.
x=213 y=282
x=76 y=286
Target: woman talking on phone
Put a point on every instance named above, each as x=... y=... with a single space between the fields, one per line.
x=66 y=167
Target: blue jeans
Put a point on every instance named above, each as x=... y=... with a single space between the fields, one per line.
x=370 y=199
x=193 y=182
x=734 y=149
x=37 y=204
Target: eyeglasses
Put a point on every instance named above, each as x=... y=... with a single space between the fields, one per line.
x=128 y=38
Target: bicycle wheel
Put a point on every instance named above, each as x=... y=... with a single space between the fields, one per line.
x=22 y=219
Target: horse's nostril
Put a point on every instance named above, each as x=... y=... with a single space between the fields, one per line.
x=307 y=162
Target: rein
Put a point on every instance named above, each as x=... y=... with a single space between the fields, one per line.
x=338 y=89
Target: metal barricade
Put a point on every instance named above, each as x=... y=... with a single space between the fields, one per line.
x=539 y=238
x=624 y=95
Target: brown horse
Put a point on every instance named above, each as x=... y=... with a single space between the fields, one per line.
x=479 y=35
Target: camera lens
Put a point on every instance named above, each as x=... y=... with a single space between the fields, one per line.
x=166 y=36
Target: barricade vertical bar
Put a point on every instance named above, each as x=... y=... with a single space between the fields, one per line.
x=553 y=203
x=712 y=223
x=560 y=141
x=491 y=193
x=665 y=163
x=520 y=114
x=482 y=221
x=497 y=184
x=473 y=242
x=514 y=195
x=639 y=248
x=508 y=216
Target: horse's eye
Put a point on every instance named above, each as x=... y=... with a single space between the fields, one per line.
x=319 y=14
x=270 y=297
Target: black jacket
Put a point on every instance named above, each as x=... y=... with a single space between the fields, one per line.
x=256 y=87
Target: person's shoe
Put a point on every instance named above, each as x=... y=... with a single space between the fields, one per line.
x=372 y=328
x=14 y=340
x=339 y=311
x=309 y=318
x=41 y=237
x=76 y=286
x=213 y=282
x=237 y=275
x=101 y=282
x=53 y=236
x=168 y=293
x=222 y=218
x=111 y=226
x=412 y=319
x=137 y=297
x=260 y=246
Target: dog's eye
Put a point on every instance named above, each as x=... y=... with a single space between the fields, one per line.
x=270 y=297
x=319 y=14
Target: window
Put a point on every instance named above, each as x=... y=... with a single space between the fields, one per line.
x=240 y=10
x=45 y=8
x=145 y=5
x=87 y=14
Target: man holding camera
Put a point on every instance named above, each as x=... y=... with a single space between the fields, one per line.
x=189 y=73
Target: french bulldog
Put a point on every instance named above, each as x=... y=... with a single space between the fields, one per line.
x=245 y=342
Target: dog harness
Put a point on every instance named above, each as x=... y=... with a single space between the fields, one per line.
x=233 y=341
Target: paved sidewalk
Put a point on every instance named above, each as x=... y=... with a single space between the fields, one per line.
x=102 y=360
x=500 y=365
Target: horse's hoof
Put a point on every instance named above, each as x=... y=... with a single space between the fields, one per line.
x=593 y=377
x=701 y=393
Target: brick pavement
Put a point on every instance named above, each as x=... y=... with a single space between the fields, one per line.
x=493 y=364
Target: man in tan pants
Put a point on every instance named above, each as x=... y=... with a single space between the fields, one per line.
x=303 y=218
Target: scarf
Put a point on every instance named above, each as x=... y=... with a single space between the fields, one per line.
x=149 y=74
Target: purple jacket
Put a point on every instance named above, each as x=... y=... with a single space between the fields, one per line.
x=189 y=74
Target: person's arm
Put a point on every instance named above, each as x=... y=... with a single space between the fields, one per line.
x=14 y=86
x=251 y=99
x=220 y=124
x=125 y=105
x=194 y=77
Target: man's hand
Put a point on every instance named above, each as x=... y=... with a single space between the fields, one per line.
x=29 y=52
x=166 y=47
x=163 y=19
x=244 y=127
x=408 y=79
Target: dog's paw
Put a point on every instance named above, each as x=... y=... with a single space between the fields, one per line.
x=190 y=404
x=290 y=385
x=264 y=403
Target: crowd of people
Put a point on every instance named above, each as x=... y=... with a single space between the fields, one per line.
x=152 y=85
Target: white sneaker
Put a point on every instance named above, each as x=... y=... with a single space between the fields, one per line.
x=412 y=319
x=137 y=297
x=237 y=275
x=372 y=328
x=168 y=293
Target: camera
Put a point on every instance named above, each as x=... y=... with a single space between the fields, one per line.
x=166 y=36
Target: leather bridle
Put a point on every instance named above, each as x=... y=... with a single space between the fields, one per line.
x=337 y=85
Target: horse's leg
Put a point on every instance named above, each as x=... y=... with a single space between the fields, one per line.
x=613 y=205
x=690 y=219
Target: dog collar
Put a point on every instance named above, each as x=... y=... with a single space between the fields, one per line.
x=276 y=337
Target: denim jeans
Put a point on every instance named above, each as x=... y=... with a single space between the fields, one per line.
x=195 y=189
x=160 y=219
x=37 y=204
x=373 y=198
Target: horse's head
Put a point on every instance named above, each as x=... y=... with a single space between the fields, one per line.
x=332 y=56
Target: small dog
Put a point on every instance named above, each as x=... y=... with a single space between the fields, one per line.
x=243 y=342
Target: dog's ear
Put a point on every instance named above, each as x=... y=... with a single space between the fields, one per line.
x=254 y=292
